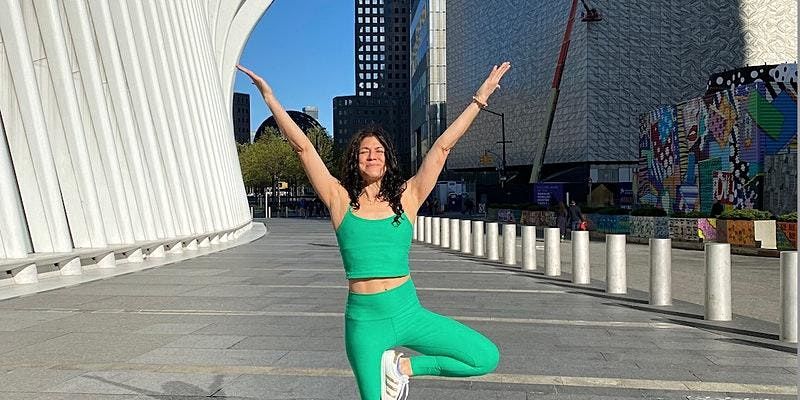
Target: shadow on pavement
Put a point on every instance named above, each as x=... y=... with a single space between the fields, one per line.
x=174 y=389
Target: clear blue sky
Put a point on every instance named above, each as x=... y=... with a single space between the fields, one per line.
x=304 y=49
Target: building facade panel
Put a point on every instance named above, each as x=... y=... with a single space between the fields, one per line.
x=472 y=50
x=200 y=123
x=195 y=46
x=639 y=56
x=113 y=76
x=428 y=78
x=26 y=132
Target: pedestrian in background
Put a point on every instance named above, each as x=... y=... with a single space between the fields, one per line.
x=562 y=219
x=575 y=216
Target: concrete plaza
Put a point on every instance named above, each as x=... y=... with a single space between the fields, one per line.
x=264 y=321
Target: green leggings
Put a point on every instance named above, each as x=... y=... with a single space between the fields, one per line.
x=377 y=322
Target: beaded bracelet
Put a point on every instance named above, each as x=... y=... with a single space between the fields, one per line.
x=480 y=103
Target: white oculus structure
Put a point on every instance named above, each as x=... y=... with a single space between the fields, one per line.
x=116 y=139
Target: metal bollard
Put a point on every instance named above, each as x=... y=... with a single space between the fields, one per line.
x=661 y=272
x=529 y=248
x=552 y=251
x=455 y=234
x=616 y=281
x=428 y=230
x=788 y=320
x=477 y=238
x=436 y=230
x=718 y=282
x=581 y=273
x=420 y=228
x=446 y=233
x=510 y=244
x=466 y=236
x=492 y=251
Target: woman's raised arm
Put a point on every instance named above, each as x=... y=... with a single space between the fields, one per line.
x=326 y=186
x=421 y=184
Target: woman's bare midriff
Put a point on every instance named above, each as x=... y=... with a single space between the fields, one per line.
x=376 y=285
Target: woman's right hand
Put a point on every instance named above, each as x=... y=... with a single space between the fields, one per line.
x=260 y=83
x=492 y=82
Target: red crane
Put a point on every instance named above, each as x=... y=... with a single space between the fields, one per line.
x=589 y=15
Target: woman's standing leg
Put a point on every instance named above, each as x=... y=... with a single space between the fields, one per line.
x=365 y=342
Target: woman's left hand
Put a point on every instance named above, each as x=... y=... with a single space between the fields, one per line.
x=260 y=83
x=492 y=83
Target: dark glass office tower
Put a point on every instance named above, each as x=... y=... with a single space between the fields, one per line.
x=381 y=73
x=241 y=117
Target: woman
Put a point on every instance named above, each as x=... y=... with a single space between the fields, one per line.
x=372 y=210
x=563 y=217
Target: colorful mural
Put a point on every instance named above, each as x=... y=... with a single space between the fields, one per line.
x=503 y=215
x=786 y=235
x=736 y=232
x=780 y=189
x=538 y=218
x=784 y=73
x=683 y=229
x=650 y=227
x=609 y=223
x=707 y=229
x=713 y=148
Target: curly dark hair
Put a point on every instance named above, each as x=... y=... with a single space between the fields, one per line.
x=392 y=184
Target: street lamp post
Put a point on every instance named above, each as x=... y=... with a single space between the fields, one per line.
x=498 y=168
x=504 y=141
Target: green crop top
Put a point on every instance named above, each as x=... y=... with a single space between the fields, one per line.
x=374 y=248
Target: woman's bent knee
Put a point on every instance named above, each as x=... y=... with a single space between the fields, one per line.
x=488 y=359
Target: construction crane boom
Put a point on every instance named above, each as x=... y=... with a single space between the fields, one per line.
x=590 y=15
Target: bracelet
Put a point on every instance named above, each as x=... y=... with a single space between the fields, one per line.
x=480 y=103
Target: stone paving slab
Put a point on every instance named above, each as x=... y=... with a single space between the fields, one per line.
x=59 y=298
x=264 y=321
x=178 y=303
x=209 y=342
x=34 y=379
x=85 y=347
x=283 y=387
x=147 y=383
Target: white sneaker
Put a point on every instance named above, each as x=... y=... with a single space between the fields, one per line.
x=394 y=385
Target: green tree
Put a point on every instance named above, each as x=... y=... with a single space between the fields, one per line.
x=268 y=158
x=324 y=144
x=272 y=157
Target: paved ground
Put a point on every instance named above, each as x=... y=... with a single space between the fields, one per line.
x=264 y=321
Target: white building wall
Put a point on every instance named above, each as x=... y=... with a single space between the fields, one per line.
x=115 y=130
